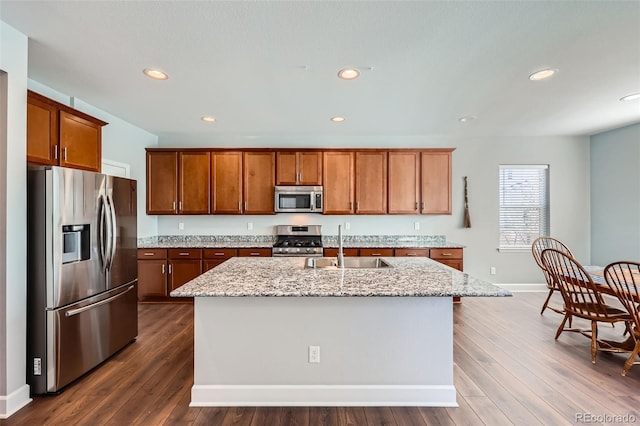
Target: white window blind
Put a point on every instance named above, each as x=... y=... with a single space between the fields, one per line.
x=524 y=205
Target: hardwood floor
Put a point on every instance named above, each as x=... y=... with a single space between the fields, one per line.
x=508 y=370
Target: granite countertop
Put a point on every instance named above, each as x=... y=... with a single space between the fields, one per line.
x=286 y=276
x=267 y=241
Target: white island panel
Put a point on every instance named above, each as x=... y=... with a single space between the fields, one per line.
x=375 y=351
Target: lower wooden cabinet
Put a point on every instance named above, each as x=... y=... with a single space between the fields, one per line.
x=152 y=274
x=214 y=257
x=451 y=257
x=161 y=271
x=184 y=265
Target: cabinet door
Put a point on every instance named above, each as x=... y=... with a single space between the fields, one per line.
x=371 y=183
x=195 y=181
x=211 y=263
x=309 y=168
x=436 y=183
x=80 y=143
x=337 y=175
x=42 y=132
x=162 y=182
x=286 y=168
x=182 y=271
x=152 y=278
x=404 y=182
x=259 y=182
x=226 y=182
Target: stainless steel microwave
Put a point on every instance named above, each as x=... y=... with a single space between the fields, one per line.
x=298 y=199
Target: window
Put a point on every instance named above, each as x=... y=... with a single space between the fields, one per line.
x=524 y=205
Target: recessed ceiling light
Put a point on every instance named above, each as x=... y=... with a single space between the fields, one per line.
x=632 y=97
x=348 y=73
x=155 y=74
x=337 y=119
x=542 y=74
x=208 y=119
x=466 y=119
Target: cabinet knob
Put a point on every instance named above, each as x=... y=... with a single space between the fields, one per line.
x=149 y=254
x=184 y=254
x=446 y=254
x=163 y=269
x=64 y=154
x=55 y=152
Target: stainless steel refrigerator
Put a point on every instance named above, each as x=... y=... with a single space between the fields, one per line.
x=82 y=273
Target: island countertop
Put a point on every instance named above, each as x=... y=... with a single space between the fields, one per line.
x=287 y=277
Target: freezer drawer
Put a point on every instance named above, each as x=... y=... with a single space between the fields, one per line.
x=82 y=335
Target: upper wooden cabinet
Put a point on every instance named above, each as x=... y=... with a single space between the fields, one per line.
x=178 y=182
x=162 y=182
x=259 y=182
x=42 y=131
x=226 y=182
x=420 y=182
x=404 y=182
x=338 y=178
x=60 y=135
x=194 y=182
x=371 y=182
x=366 y=181
x=436 y=182
x=299 y=168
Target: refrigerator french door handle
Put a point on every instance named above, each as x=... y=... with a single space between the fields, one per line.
x=113 y=230
x=102 y=231
x=73 y=312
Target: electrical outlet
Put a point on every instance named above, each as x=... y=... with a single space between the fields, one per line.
x=493 y=270
x=181 y=226
x=37 y=366
x=347 y=225
x=314 y=354
x=416 y=225
x=249 y=226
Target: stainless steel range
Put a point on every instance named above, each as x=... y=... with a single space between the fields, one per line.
x=298 y=241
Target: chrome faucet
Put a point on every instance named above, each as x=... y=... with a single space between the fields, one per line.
x=340 y=257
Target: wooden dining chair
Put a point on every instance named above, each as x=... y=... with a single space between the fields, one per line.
x=538 y=245
x=624 y=279
x=582 y=299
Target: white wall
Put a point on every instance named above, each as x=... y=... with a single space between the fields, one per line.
x=122 y=142
x=478 y=158
x=14 y=392
x=615 y=195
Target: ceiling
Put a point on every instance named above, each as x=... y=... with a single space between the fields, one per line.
x=270 y=67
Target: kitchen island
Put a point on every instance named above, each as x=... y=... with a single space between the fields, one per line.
x=384 y=336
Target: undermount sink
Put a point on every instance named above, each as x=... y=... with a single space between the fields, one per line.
x=349 y=263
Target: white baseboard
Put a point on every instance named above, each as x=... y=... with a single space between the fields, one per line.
x=525 y=288
x=322 y=395
x=11 y=403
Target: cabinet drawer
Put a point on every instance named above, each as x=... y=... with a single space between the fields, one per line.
x=254 y=252
x=386 y=252
x=449 y=253
x=417 y=252
x=185 y=253
x=333 y=252
x=219 y=253
x=152 y=254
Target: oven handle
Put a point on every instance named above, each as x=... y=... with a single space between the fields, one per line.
x=73 y=312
